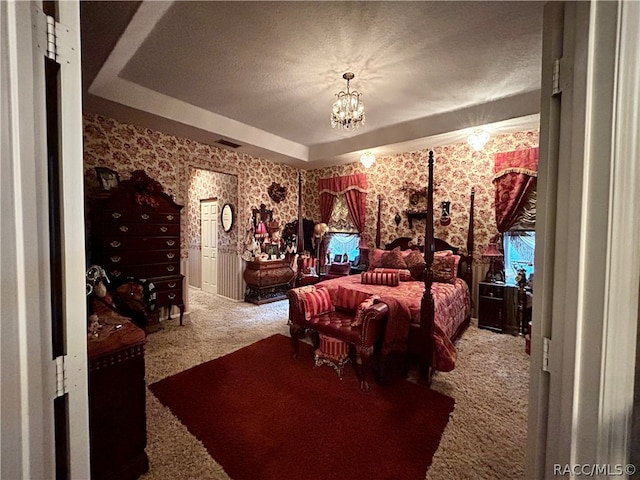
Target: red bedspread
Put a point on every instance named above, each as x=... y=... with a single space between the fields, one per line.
x=452 y=305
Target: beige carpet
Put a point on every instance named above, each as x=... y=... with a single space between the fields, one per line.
x=484 y=439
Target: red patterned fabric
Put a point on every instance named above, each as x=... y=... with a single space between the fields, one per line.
x=514 y=177
x=317 y=302
x=333 y=348
x=354 y=189
x=350 y=299
x=374 y=278
x=443 y=269
x=375 y=258
x=452 y=306
x=403 y=273
x=394 y=259
x=361 y=310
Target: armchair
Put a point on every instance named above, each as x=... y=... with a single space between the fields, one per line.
x=307 y=272
x=362 y=327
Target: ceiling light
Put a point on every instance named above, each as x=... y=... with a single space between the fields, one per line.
x=367 y=159
x=348 y=110
x=478 y=138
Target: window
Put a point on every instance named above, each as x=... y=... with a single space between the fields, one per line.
x=519 y=247
x=341 y=243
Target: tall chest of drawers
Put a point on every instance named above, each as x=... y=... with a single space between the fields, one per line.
x=138 y=235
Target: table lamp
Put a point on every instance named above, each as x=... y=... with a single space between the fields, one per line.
x=492 y=253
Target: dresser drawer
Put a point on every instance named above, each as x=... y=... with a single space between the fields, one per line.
x=169 y=297
x=129 y=216
x=140 y=257
x=145 y=271
x=141 y=229
x=173 y=283
x=116 y=243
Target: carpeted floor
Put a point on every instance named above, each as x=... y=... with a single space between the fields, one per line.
x=484 y=439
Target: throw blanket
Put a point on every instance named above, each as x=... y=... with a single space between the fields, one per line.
x=395 y=342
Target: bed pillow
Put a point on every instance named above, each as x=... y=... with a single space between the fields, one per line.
x=456 y=261
x=350 y=299
x=317 y=302
x=415 y=264
x=443 y=253
x=403 y=274
x=375 y=278
x=393 y=259
x=375 y=257
x=361 y=310
x=444 y=269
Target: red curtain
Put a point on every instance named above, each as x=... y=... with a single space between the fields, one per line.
x=354 y=188
x=514 y=176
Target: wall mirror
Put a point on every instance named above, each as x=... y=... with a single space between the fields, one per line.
x=226 y=217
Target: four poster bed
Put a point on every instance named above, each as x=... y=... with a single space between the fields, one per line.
x=424 y=316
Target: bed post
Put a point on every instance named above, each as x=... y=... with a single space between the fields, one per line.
x=427 y=306
x=300 y=246
x=378 y=222
x=470 y=240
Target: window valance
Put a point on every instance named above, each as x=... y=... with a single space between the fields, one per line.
x=354 y=189
x=515 y=182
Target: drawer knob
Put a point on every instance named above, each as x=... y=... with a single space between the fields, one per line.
x=169 y=217
x=116 y=273
x=171 y=296
x=124 y=228
x=163 y=229
x=171 y=243
x=171 y=255
x=171 y=285
x=115 y=244
x=116 y=215
x=115 y=259
x=144 y=216
x=170 y=268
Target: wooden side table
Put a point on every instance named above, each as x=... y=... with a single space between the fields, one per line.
x=117 y=412
x=491 y=306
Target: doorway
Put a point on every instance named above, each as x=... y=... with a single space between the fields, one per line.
x=209 y=245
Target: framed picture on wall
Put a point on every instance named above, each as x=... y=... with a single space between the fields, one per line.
x=109 y=179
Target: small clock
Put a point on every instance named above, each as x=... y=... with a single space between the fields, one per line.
x=226 y=217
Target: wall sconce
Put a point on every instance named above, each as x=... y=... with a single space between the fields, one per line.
x=445 y=219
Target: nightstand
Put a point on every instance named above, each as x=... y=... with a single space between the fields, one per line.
x=491 y=311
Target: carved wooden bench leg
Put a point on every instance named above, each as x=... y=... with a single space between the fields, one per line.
x=363 y=356
x=296 y=333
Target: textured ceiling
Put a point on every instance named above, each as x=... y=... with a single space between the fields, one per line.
x=264 y=74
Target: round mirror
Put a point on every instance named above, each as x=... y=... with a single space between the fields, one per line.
x=226 y=217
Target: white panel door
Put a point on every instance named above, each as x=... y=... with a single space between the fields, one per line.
x=209 y=245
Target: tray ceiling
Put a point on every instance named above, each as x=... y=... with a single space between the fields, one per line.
x=264 y=74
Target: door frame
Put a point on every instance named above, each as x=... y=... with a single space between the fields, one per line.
x=580 y=412
x=29 y=381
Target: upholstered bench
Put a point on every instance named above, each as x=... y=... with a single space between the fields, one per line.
x=355 y=320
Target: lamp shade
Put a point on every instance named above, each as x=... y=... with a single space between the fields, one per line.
x=262 y=229
x=492 y=251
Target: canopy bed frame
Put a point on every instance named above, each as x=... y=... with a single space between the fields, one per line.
x=421 y=342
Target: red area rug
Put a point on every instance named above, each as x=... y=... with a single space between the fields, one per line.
x=264 y=416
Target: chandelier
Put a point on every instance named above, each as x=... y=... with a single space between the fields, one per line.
x=478 y=138
x=348 y=109
x=367 y=159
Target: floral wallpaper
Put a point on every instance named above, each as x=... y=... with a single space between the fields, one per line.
x=167 y=158
x=205 y=185
x=171 y=160
x=457 y=168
